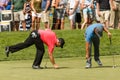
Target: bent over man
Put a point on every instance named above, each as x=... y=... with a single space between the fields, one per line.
x=39 y=37
x=92 y=35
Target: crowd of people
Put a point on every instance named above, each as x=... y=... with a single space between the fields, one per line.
x=79 y=12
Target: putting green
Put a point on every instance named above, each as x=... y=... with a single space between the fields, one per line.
x=70 y=69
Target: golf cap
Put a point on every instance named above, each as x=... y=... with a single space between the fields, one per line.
x=62 y=42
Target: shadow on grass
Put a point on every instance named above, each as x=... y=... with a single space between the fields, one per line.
x=105 y=66
x=57 y=68
x=43 y=68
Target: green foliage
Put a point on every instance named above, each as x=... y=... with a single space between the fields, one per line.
x=74 y=46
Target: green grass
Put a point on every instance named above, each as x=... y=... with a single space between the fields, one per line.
x=71 y=58
x=74 y=46
x=70 y=69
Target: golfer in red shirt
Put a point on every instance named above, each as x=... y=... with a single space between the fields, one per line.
x=39 y=37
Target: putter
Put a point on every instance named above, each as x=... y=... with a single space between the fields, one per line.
x=112 y=54
x=45 y=65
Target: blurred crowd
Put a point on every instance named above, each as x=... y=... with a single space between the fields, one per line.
x=81 y=13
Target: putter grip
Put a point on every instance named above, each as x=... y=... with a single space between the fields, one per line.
x=110 y=41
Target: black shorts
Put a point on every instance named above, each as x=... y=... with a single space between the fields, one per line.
x=78 y=17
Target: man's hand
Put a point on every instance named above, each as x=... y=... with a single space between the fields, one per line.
x=53 y=61
x=71 y=12
x=109 y=35
x=114 y=8
x=99 y=14
x=87 y=56
x=56 y=66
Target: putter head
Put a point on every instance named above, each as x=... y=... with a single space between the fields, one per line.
x=114 y=66
x=45 y=67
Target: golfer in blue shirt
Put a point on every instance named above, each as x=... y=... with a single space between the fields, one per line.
x=92 y=35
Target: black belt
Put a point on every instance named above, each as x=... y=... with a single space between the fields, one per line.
x=117 y=1
x=71 y=8
x=104 y=9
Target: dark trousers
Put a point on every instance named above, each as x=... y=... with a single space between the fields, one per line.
x=28 y=42
x=96 y=43
x=55 y=20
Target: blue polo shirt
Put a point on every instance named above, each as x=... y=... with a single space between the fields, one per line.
x=89 y=33
x=44 y=3
x=8 y=7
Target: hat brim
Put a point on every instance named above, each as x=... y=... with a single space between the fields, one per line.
x=61 y=46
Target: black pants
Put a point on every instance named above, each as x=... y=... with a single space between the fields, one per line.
x=96 y=43
x=55 y=20
x=28 y=42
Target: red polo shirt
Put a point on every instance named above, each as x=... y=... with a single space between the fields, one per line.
x=49 y=38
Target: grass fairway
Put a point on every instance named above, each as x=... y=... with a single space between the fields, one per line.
x=71 y=59
x=70 y=69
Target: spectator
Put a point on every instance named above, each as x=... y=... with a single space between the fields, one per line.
x=54 y=19
x=17 y=7
x=92 y=35
x=71 y=10
x=103 y=11
x=3 y=4
x=87 y=8
x=78 y=18
x=28 y=13
x=46 y=6
x=95 y=15
x=36 y=14
x=115 y=14
x=8 y=7
x=27 y=7
x=54 y=14
x=60 y=11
